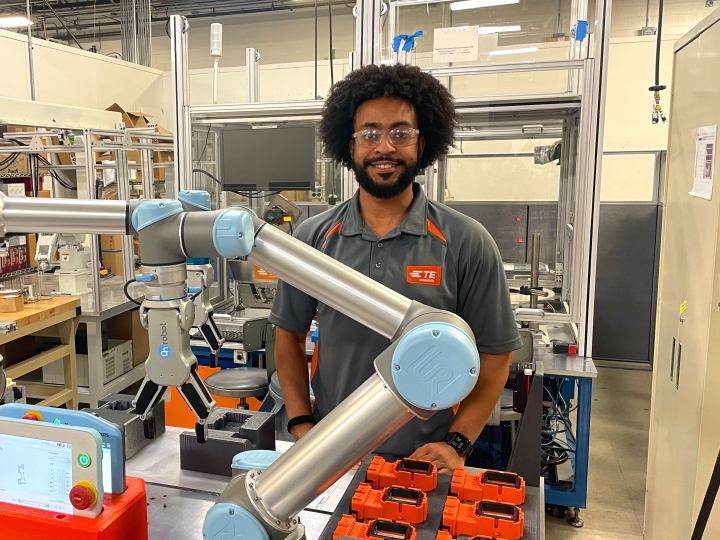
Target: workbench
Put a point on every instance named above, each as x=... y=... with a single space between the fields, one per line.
x=113 y=302
x=56 y=317
x=178 y=500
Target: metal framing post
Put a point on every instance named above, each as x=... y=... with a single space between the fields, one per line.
x=31 y=65
x=123 y=184
x=430 y=184
x=90 y=193
x=252 y=70
x=367 y=33
x=181 y=102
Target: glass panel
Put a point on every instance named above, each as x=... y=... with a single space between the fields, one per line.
x=628 y=177
x=516 y=185
x=285 y=39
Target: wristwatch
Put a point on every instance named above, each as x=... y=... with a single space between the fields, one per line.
x=460 y=443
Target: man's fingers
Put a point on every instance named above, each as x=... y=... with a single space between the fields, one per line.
x=444 y=470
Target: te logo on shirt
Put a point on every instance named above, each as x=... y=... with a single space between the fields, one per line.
x=424 y=275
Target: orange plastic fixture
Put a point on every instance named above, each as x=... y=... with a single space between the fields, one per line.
x=394 y=503
x=444 y=535
x=495 y=486
x=407 y=473
x=486 y=518
x=373 y=530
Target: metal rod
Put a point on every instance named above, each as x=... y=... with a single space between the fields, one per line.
x=31 y=214
x=64 y=25
x=330 y=282
x=535 y=269
x=505 y=68
x=181 y=101
x=251 y=71
x=215 y=80
x=369 y=416
x=31 y=65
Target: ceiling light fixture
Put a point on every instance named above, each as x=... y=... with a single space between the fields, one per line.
x=14 y=22
x=485 y=30
x=475 y=4
x=513 y=51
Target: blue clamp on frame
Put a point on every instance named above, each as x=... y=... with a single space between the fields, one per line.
x=110 y=433
x=580 y=31
x=406 y=40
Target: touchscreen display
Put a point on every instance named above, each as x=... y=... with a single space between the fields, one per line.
x=106 y=468
x=36 y=473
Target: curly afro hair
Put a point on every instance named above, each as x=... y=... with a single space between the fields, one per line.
x=434 y=105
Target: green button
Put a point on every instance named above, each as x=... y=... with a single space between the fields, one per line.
x=84 y=460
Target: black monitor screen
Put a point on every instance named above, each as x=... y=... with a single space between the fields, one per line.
x=274 y=159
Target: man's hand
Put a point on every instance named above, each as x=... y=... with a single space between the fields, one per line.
x=301 y=429
x=444 y=456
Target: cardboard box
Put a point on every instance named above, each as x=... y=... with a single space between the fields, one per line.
x=21 y=164
x=128 y=326
x=111 y=242
x=136 y=247
x=31 y=248
x=113 y=363
x=131 y=119
x=113 y=260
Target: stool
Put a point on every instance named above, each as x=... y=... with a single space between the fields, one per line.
x=238 y=383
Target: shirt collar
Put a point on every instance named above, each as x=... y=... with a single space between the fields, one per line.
x=415 y=221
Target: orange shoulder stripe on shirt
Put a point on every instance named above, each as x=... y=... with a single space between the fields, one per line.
x=434 y=230
x=334 y=230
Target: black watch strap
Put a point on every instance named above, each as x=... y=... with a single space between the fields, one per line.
x=459 y=442
x=304 y=419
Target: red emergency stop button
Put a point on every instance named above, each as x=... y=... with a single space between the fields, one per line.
x=83 y=495
x=33 y=415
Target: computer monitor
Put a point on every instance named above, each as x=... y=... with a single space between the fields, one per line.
x=277 y=158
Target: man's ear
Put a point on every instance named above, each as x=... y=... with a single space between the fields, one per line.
x=421 y=146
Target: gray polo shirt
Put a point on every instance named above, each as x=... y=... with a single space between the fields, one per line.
x=437 y=256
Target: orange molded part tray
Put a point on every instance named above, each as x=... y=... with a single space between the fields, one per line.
x=486 y=518
x=393 y=503
x=124 y=517
x=444 y=535
x=495 y=486
x=407 y=473
x=373 y=530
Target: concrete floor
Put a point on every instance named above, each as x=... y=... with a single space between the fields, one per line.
x=619 y=425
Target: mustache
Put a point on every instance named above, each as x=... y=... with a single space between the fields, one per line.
x=389 y=158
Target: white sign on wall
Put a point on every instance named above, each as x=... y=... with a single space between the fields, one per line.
x=458 y=44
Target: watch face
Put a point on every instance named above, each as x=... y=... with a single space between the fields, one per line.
x=458 y=442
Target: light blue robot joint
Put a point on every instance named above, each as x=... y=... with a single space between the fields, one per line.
x=150 y=212
x=233 y=234
x=435 y=366
x=226 y=521
x=195 y=197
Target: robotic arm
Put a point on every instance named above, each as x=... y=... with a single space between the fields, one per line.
x=431 y=364
x=48 y=245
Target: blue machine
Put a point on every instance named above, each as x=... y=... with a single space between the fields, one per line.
x=112 y=439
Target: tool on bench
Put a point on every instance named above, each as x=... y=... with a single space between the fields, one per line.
x=493 y=519
x=375 y=529
x=392 y=503
x=409 y=473
x=498 y=486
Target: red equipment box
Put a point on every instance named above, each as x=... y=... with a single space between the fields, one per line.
x=407 y=473
x=506 y=487
x=394 y=503
x=488 y=518
x=378 y=528
x=123 y=517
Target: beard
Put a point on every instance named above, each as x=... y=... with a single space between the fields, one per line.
x=385 y=191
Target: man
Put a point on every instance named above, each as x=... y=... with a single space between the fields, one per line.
x=388 y=123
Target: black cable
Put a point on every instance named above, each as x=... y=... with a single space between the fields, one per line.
x=207 y=137
x=207 y=174
x=127 y=294
x=332 y=70
x=291 y=228
x=657 y=46
x=256 y=195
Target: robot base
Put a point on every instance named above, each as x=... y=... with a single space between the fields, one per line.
x=124 y=516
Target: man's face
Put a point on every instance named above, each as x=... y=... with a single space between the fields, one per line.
x=385 y=171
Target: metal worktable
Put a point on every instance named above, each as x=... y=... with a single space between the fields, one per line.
x=178 y=500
